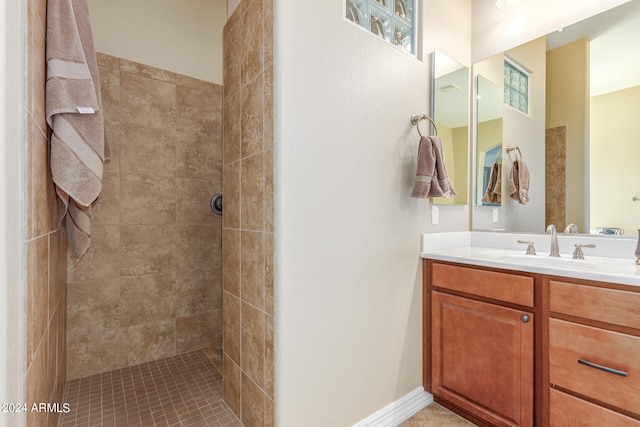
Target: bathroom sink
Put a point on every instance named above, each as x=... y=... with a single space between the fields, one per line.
x=565 y=261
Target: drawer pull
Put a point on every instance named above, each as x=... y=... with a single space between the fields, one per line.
x=602 y=368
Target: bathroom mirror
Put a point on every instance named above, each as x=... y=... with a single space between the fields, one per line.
x=489 y=177
x=579 y=139
x=450 y=106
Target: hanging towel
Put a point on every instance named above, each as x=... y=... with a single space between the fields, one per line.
x=519 y=182
x=493 y=194
x=74 y=113
x=431 y=174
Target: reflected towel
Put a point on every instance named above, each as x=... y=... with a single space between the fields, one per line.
x=431 y=174
x=519 y=179
x=493 y=194
x=74 y=112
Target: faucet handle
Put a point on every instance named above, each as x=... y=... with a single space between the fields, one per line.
x=530 y=249
x=577 y=253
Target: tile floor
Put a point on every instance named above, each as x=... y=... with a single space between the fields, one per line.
x=435 y=415
x=183 y=390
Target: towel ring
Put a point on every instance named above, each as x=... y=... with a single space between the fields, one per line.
x=516 y=151
x=415 y=120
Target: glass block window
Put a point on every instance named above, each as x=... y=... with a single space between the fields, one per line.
x=516 y=86
x=391 y=20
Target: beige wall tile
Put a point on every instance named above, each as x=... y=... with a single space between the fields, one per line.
x=147 y=200
x=231 y=245
x=152 y=269
x=147 y=151
x=252 y=268
x=145 y=101
x=199 y=156
x=232 y=126
x=231 y=190
x=269 y=357
x=269 y=11
x=269 y=269
x=147 y=249
x=209 y=87
x=232 y=384
x=37 y=295
x=106 y=210
x=147 y=298
x=232 y=56
x=252 y=327
x=93 y=306
x=269 y=193
x=252 y=116
x=196 y=332
x=37 y=386
x=199 y=291
x=198 y=111
x=252 y=193
x=198 y=245
x=193 y=201
x=252 y=403
x=231 y=326
x=52 y=366
x=268 y=109
x=91 y=354
x=102 y=259
x=105 y=60
x=42 y=207
x=253 y=45
x=143 y=70
x=150 y=341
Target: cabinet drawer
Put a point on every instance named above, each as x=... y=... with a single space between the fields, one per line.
x=604 y=305
x=577 y=355
x=569 y=411
x=490 y=284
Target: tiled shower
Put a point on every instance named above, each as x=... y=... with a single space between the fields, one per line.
x=151 y=285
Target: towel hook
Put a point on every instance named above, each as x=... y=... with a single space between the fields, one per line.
x=415 y=120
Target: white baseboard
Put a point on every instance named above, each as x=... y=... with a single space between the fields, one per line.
x=398 y=411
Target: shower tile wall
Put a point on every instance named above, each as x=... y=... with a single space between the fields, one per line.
x=150 y=284
x=45 y=245
x=248 y=239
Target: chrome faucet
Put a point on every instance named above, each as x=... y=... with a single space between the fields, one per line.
x=555 y=250
x=571 y=229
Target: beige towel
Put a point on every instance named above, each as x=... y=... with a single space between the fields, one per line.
x=74 y=112
x=431 y=174
x=493 y=194
x=519 y=179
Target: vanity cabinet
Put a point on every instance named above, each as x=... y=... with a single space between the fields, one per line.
x=481 y=340
x=594 y=354
x=517 y=348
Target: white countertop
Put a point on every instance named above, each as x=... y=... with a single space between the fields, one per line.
x=611 y=261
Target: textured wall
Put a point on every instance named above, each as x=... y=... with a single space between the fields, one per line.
x=46 y=273
x=150 y=284
x=248 y=245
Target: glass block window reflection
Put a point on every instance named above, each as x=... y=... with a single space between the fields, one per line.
x=391 y=20
x=516 y=87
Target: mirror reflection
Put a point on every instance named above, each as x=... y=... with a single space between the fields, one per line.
x=578 y=138
x=450 y=108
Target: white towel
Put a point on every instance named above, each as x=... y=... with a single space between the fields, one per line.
x=74 y=112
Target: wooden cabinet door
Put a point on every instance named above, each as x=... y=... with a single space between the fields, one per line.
x=482 y=359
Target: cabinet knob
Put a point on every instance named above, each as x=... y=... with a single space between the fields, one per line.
x=524 y=318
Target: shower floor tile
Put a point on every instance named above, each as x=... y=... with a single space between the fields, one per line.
x=183 y=390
